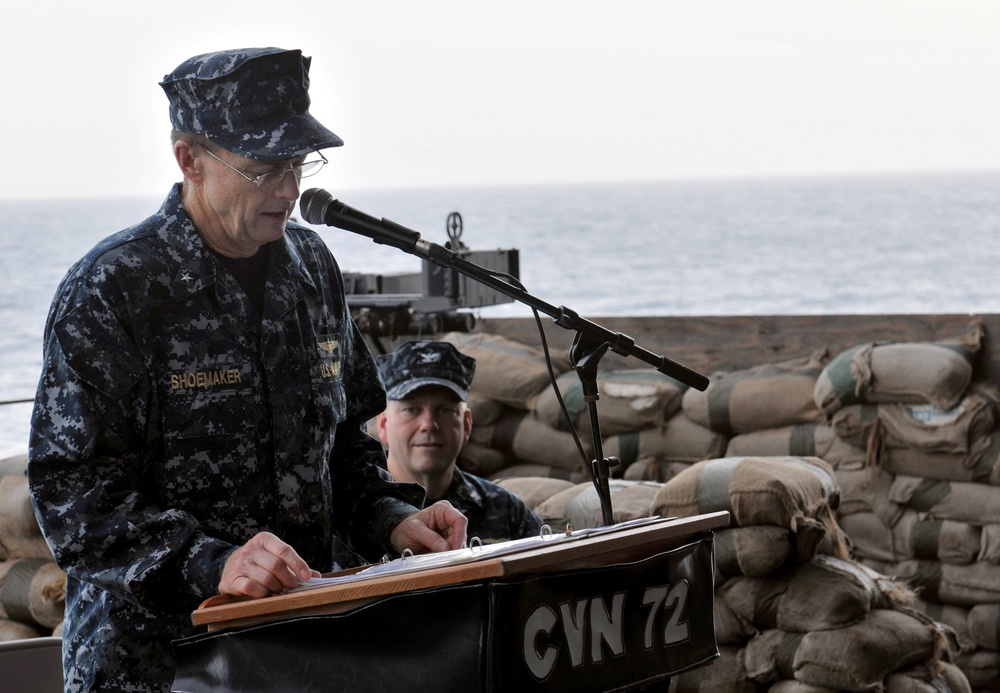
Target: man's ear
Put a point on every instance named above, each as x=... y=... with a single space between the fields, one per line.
x=189 y=164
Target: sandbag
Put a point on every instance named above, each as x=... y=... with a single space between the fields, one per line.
x=540 y=470
x=867 y=490
x=754 y=551
x=17 y=516
x=948 y=500
x=482 y=460
x=964 y=585
x=981 y=668
x=949 y=680
x=981 y=467
x=14 y=466
x=984 y=625
x=650 y=469
x=820 y=594
x=783 y=491
x=629 y=400
x=854 y=658
x=533 y=490
x=951 y=615
x=799 y=440
x=485 y=410
x=580 y=507
x=12 y=548
x=33 y=591
x=16 y=630
x=726 y=674
x=914 y=535
x=934 y=372
x=679 y=440
x=758 y=398
x=989 y=544
x=506 y=371
x=523 y=437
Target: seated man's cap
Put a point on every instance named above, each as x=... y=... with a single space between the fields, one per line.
x=418 y=364
x=253 y=102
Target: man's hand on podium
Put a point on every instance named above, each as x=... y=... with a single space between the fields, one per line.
x=438 y=527
x=263 y=566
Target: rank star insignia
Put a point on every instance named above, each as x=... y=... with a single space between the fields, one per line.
x=186 y=277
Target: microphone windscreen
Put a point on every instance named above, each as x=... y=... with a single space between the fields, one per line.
x=313 y=204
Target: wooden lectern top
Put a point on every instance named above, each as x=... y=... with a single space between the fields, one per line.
x=349 y=589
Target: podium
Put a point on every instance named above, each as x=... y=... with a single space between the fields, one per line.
x=613 y=609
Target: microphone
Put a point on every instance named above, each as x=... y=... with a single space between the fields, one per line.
x=319 y=207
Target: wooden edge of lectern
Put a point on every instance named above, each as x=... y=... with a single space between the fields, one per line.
x=628 y=544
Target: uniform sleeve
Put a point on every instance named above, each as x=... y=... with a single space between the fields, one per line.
x=86 y=452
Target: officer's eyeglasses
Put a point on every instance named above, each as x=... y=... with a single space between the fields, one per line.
x=273 y=178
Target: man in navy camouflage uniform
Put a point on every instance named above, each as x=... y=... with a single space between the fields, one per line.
x=426 y=423
x=198 y=423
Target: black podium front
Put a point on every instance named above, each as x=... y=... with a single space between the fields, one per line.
x=612 y=627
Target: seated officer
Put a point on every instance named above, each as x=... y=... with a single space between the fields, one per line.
x=426 y=424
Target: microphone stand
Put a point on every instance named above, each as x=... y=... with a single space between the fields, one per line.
x=591 y=342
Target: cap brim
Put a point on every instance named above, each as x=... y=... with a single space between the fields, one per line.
x=403 y=389
x=288 y=138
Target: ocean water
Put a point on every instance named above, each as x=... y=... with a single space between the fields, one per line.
x=879 y=244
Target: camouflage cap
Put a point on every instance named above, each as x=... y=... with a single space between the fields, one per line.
x=418 y=364
x=253 y=102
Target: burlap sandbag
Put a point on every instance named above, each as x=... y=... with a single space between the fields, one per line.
x=989 y=544
x=533 y=490
x=730 y=628
x=507 y=371
x=948 y=500
x=485 y=410
x=934 y=372
x=793 y=686
x=949 y=680
x=523 y=437
x=981 y=667
x=32 y=590
x=963 y=585
x=981 y=467
x=800 y=440
x=546 y=471
x=854 y=658
x=783 y=491
x=879 y=428
x=17 y=516
x=726 y=674
x=820 y=594
x=984 y=625
x=754 y=551
x=758 y=398
x=16 y=630
x=867 y=490
x=482 y=460
x=914 y=535
x=650 y=469
x=629 y=400
x=580 y=506
x=679 y=440
x=14 y=466
x=951 y=615
x=12 y=548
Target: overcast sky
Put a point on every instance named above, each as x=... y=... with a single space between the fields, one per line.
x=457 y=92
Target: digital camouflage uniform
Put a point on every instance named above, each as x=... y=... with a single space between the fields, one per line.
x=168 y=428
x=494 y=513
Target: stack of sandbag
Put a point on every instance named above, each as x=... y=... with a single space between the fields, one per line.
x=793 y=612
x=924 y=506
x=520 y=428
x=32 y=587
